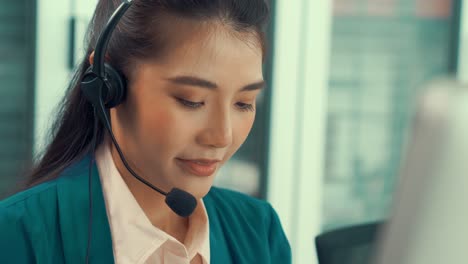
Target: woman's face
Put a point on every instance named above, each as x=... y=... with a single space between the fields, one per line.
x=186 y=114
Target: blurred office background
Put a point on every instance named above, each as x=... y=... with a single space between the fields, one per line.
x=330 y=129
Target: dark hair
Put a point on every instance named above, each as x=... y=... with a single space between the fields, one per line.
x=141 y=34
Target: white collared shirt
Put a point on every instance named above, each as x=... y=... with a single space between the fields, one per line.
x=134 y=239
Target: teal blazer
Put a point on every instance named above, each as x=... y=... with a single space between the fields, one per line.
x=49 y=224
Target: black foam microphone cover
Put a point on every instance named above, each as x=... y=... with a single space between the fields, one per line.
x=181 y=202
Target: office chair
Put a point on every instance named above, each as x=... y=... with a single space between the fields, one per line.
x=349 y=245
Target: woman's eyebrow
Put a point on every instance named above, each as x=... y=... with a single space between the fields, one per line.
x=202 y=83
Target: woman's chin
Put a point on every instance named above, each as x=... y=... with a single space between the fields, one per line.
x=200 y=191
x=197 y=186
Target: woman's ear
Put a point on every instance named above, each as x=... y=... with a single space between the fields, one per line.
x=91 y=58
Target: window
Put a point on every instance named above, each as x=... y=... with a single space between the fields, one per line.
x=382 y=52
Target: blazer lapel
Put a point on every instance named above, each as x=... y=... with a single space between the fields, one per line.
x=219 y=252
x=73 y=200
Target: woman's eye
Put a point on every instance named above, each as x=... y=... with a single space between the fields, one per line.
x=189 y=104
x=245 y=107
x=194 y=105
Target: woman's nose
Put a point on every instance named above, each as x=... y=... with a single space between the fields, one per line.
x=218 y=131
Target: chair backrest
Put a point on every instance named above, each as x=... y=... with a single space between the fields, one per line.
x=350 y=245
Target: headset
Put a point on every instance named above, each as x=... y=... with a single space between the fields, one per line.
x=104 y=87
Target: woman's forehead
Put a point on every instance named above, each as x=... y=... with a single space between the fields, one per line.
x=212 y=55
x=209 y=40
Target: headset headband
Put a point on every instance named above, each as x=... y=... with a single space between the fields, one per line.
x=101 y=46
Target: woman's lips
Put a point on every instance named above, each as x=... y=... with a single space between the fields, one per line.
x=200 y=167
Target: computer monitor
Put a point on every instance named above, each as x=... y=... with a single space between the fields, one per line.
x=429 y=220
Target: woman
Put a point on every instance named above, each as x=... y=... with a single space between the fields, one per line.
x=191 y=72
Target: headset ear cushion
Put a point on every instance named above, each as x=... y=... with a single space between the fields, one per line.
x=92 y=87
x=116 y=87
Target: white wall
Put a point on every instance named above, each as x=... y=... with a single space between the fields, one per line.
x=300 y=84
x=51 y=63
x=52 y=73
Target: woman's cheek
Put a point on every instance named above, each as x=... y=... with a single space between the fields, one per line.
x=157 y=123
x=242 y=128
x=169 y=124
